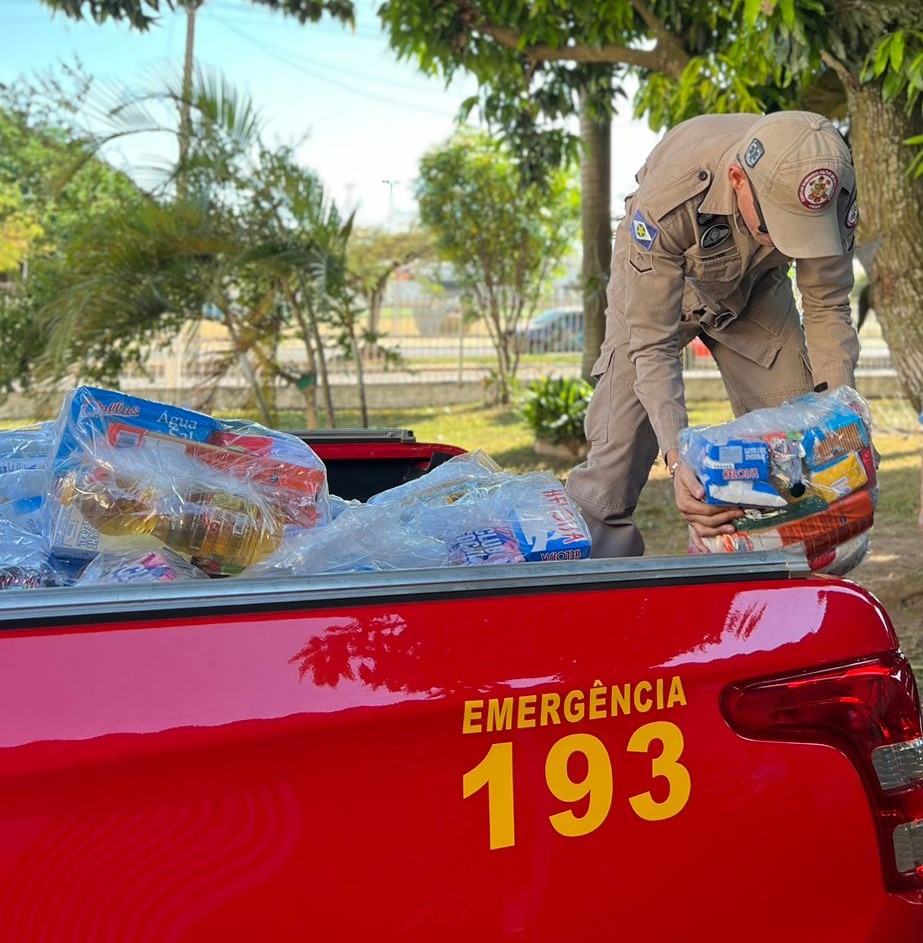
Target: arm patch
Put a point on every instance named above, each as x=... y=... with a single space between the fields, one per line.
x=642 y=232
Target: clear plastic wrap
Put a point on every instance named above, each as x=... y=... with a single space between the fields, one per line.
x=805 y=473
x=24 y=559
x=472 y=514
x=25 y=474
x=223 y=494
x=139 y=564
x=25 y=463
x=443 y=485
x=361 y=538
x=507 y=518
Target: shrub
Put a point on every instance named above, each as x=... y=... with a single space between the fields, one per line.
x=554 y=409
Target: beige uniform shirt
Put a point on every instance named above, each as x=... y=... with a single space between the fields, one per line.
x=683 y=248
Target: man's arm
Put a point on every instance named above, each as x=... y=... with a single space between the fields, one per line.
x=833 y=345
x=647 y=285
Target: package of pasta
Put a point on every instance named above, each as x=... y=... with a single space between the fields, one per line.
x=804 y=473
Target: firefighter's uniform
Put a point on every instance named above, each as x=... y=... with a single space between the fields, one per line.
x=685 y=265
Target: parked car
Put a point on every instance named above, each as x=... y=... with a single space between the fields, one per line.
x=555 y=329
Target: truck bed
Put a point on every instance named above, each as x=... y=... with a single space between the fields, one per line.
x=536 y=752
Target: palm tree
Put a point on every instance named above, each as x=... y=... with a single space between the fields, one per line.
x=253 y=238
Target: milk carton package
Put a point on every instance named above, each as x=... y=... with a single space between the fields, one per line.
x=737 y=472
x=516 y=518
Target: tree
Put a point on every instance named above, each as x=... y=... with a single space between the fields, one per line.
x=49 y=187
x=528 y=85
x=18 y=230
x=374 y=256
x=691 y=57
x=141 y=14
x=503 y=234
x=254 y=241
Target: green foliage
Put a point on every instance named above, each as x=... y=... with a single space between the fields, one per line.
x=18 y=229
x=554 y=408
x=525 y=98
x=51 y=187
x=503 y=234
x=141 y=14
x=253 y=240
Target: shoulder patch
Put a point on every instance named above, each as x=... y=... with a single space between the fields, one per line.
x=703 y=219
x=755 y=151
x=715 y=235
x=642 y=231
x=852 y=215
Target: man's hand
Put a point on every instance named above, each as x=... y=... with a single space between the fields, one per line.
x=705 y=520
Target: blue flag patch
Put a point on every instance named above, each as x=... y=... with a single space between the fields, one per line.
x=642 y=231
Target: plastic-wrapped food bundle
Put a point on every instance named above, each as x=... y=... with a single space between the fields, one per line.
x=361 y=538
x=24 y=559
x=25 y=462
x=443 y=485
x=472 y=513
x=25 y=459
x=222 y=493
x=805 y=473
x=139 y=564
x=507 y=518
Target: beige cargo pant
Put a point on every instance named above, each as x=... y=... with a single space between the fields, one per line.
x=762 y=358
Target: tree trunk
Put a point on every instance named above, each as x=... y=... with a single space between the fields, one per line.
x=246 y=367
x=360 y=373
x=891 y=225
x=596 y=226
x=185 y=107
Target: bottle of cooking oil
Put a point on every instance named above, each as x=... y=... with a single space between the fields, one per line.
x=222 y=533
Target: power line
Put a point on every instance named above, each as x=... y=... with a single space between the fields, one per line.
x=276 y=22
x=335 y=67
x=278 y=18
x=285 y=56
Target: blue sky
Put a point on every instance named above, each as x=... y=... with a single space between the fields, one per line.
x=368 y=118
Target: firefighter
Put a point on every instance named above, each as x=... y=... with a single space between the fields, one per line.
x=724 y=205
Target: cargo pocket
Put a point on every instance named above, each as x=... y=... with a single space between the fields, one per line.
x=772 y=304
x=716 y=271
x=601 y=365
x=596 y=423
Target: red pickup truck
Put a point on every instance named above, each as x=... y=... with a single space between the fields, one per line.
x=662 y=749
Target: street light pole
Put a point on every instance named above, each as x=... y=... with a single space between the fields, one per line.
x=390 y=184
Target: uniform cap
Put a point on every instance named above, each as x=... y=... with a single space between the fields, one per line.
x=803 y=177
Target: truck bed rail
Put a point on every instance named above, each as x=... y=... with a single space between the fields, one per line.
x=32 y=608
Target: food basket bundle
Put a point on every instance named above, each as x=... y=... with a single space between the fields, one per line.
x=221 y=493
x=804 y=473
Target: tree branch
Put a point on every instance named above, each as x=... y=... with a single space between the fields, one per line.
x=669 y=49
x=842 y=73
x=667 y=56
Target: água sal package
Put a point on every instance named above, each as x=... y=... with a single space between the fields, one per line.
x=804 y=472
x=223 y=493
